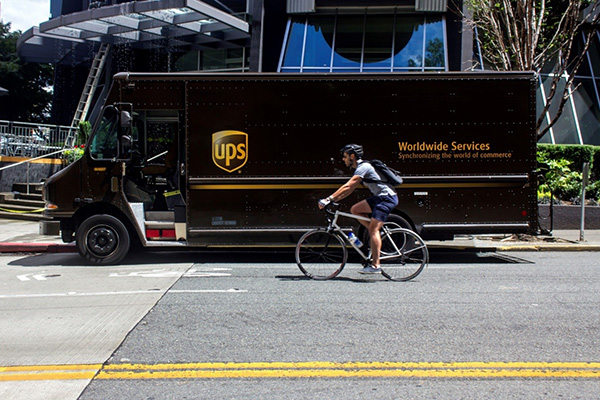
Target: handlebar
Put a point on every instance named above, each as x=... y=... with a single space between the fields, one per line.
x=331 y=208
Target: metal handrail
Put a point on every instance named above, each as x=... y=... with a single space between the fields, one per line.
x=32 y=159
x=28 y=139
x=28 y=161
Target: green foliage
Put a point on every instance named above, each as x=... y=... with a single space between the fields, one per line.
x=559 y=168
x=83 y=132
x=593 y=191
x=595 y=167
x=74 y=154
x=577 y=154
x=28 y=83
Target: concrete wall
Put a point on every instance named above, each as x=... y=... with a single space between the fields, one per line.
x=38 y=171
x=569 y=217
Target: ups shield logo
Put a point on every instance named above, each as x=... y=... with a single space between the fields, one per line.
x=230 y=150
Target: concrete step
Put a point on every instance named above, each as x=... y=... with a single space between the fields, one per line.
x=31 y=196
x=13 y=207
x=23 y=216
x=18 y=207
x=23 y=187
x=24 y=202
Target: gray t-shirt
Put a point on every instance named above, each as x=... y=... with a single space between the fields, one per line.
x=366 y=170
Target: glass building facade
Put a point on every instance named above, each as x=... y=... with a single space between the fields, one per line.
x=580 y=120
x=365 y=43
x=286 y=36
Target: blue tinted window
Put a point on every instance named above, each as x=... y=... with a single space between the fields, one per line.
x=293 y=53
x=408 y=42
x=434 y=42
x=349 y=41
x=319 y=40
x=379 y=33
x=365 y=43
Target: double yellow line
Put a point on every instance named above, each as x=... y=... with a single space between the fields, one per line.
x=492 y=370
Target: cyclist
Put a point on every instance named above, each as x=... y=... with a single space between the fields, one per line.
x=383 y=200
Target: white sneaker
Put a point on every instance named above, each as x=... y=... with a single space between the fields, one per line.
x=370 y=270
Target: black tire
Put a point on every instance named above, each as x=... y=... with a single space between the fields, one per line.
x=393 y=221
x=321 y=255
x=102 y=240
x=398 y=220
x=411 y=260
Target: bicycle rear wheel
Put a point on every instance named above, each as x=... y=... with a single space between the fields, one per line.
x=403 y=254
x=321 y=254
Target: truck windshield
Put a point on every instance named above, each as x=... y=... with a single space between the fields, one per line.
x=104 y=143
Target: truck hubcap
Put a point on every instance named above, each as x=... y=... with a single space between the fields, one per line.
x=102 y=241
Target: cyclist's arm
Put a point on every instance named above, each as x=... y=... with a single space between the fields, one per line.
x=346 y=189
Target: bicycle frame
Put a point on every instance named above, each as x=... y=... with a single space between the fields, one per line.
x=322 y=253
x=333 y=226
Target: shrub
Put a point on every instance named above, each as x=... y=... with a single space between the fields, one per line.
x=73 y=154
x=559 y=168
x=592 y=192
x=557 y=178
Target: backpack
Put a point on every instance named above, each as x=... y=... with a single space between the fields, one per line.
x=389 y=175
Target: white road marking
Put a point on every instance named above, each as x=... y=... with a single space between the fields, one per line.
x=126 y=292
x=155 y=273
x=75 y=294
x=37 y=277
x=233 y=290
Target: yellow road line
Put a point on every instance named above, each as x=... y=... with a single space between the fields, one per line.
x=354 y=365
x=48 y=372
x=497 y=370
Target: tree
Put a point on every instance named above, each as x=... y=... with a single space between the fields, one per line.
x=536 y=35
x=28 y=99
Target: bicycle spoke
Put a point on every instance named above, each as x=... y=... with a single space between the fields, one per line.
x=406 y=255
x=321 y=254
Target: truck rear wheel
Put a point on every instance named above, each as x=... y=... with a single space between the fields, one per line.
x=102 y=239
x=401 y=222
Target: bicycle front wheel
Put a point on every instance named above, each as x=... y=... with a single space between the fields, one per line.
x=403 y=254
x=321 y=254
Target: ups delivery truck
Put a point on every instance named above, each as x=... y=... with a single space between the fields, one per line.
x=207 y=160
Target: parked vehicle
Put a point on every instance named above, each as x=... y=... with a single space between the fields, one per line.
x=241 y=159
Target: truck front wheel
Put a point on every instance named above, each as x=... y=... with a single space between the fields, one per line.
x=102 y=239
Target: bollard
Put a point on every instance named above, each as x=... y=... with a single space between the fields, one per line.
x=584 y=182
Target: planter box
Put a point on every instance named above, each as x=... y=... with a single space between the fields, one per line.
x=569 y=217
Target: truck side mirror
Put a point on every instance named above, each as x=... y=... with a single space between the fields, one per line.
x=126 y=142
x=125 y=119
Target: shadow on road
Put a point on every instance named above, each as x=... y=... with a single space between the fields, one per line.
x=254 y=256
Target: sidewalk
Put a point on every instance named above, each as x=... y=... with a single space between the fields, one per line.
x=24 y=237
x=559 y=240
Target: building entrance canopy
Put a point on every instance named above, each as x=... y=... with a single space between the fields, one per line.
x=140 y=24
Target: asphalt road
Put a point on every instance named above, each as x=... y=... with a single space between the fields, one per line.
x=239 y=325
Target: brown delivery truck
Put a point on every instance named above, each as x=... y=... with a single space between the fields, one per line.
x=211 y=160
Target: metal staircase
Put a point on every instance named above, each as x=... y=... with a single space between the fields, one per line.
x=88 y=93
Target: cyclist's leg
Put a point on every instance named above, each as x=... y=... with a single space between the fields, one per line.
x=381 y=206
x=375 y=240
x=362 y=209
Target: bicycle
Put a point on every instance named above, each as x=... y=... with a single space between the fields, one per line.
x=322 y=253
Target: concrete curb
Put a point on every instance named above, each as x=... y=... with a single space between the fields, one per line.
x=37 y=248
x=550 y=247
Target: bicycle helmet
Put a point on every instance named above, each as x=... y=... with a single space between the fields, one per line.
x=355 y=149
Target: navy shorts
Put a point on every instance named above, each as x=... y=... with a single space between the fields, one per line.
x=382 y=206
